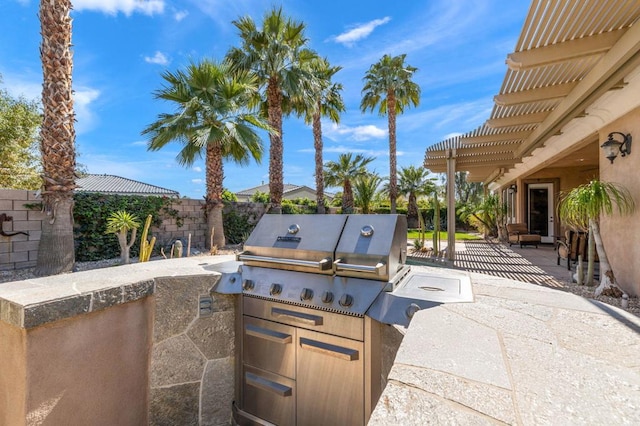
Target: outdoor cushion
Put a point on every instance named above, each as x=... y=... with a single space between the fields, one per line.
x=519 y=234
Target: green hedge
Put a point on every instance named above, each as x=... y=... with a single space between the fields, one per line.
x=90 y=214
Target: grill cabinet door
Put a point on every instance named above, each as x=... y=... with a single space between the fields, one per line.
x=269 y=346
x=329 y=380
x=268 y=396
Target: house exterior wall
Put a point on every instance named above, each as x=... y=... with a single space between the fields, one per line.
x=620 y=233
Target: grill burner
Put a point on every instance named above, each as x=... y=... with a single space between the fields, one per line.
x=316 y=290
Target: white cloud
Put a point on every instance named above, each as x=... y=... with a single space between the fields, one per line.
x=362 y=31
x=128 y=7
x=82 y=100
x=197 y=181
x=358 y=133
x=197 y=169
x=158 y=58
x=180 y=15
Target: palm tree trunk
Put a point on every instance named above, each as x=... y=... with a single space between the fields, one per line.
x=317 y=143
x=608 y=286
x=276 y=182
x=393 y=174
x=412 y=211
x=347 y=198
x=215 y=177
x=57 y=139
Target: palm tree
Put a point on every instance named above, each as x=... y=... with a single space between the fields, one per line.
x=582 y=207
x=276 y=53
x=365 y=189
x=343 y=172
x=56 y=252
x=326 y=102
x=389 y=88
x=414 y=182
x=212 y=119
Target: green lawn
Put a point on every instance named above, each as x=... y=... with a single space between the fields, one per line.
x=460 y=236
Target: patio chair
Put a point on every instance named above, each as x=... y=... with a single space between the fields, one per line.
x=574 y=244
x=519 y=234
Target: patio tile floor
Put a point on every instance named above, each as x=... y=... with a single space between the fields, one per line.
x=527 y=264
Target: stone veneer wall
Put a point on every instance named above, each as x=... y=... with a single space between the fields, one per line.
x=125 y=347
x=192 y=366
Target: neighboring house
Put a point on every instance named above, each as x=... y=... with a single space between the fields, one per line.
x=572 y=83
x=290 y=192
x=109 y=184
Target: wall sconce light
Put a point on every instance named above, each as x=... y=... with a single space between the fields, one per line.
x=513 y=187
x=612 y=146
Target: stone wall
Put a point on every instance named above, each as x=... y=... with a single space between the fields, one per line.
x=193 y=220
x=19 y=251
x=192 y=365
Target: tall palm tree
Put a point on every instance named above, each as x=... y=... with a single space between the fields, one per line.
x=389 y=88
x=582 y=207
x=414 y=182
x=326 y=101
x=365 y=189
x=57 y=140
x=212 y=119
x=343 y=172
x=276 y=53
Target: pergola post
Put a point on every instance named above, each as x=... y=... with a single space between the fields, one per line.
x=451 y=204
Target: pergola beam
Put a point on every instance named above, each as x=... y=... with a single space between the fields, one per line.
x=596 y=44
x=539 y=94
x=517 y=120
x=498 y=137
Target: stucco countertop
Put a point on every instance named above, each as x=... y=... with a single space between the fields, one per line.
x=35 y=302
x=519 y=354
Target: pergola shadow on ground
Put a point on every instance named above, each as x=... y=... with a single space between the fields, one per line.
x=527 y=264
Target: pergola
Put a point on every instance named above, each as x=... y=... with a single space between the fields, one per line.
x=570 y=53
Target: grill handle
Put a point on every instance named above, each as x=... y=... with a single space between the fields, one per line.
x=378 y=269
x=321 y=265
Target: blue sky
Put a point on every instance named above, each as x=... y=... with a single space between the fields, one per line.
x=121 y=47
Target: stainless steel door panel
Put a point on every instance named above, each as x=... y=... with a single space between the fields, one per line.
x=329 y=380
x=298 y=316
x=268 y=396
x=269 y=346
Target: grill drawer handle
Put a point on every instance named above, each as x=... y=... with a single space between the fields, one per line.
x=321 y=265
x=271 y=335
x=379 y=269
x=327 y=349
x=267 y=385
x=296 y=316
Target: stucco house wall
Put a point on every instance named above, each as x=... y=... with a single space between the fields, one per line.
x=621 y=234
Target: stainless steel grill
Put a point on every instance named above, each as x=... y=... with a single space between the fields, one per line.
x=316 y=291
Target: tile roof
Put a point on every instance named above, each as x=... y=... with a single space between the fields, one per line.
x=287 y=187
x=109 y=184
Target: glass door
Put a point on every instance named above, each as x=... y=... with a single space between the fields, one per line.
x=540 y=210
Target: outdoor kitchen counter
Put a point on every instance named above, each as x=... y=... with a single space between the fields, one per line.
x=520 y=354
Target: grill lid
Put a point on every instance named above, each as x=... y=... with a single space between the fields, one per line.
x=372 y=246
x=294 y=242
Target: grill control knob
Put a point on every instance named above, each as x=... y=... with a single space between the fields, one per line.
x=346 y=300
x=327 y=297
x=411 y=310
x=248 y=285
x=275 y=289
x=306 y=294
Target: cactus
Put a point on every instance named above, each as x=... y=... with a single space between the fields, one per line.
x=146 y=247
